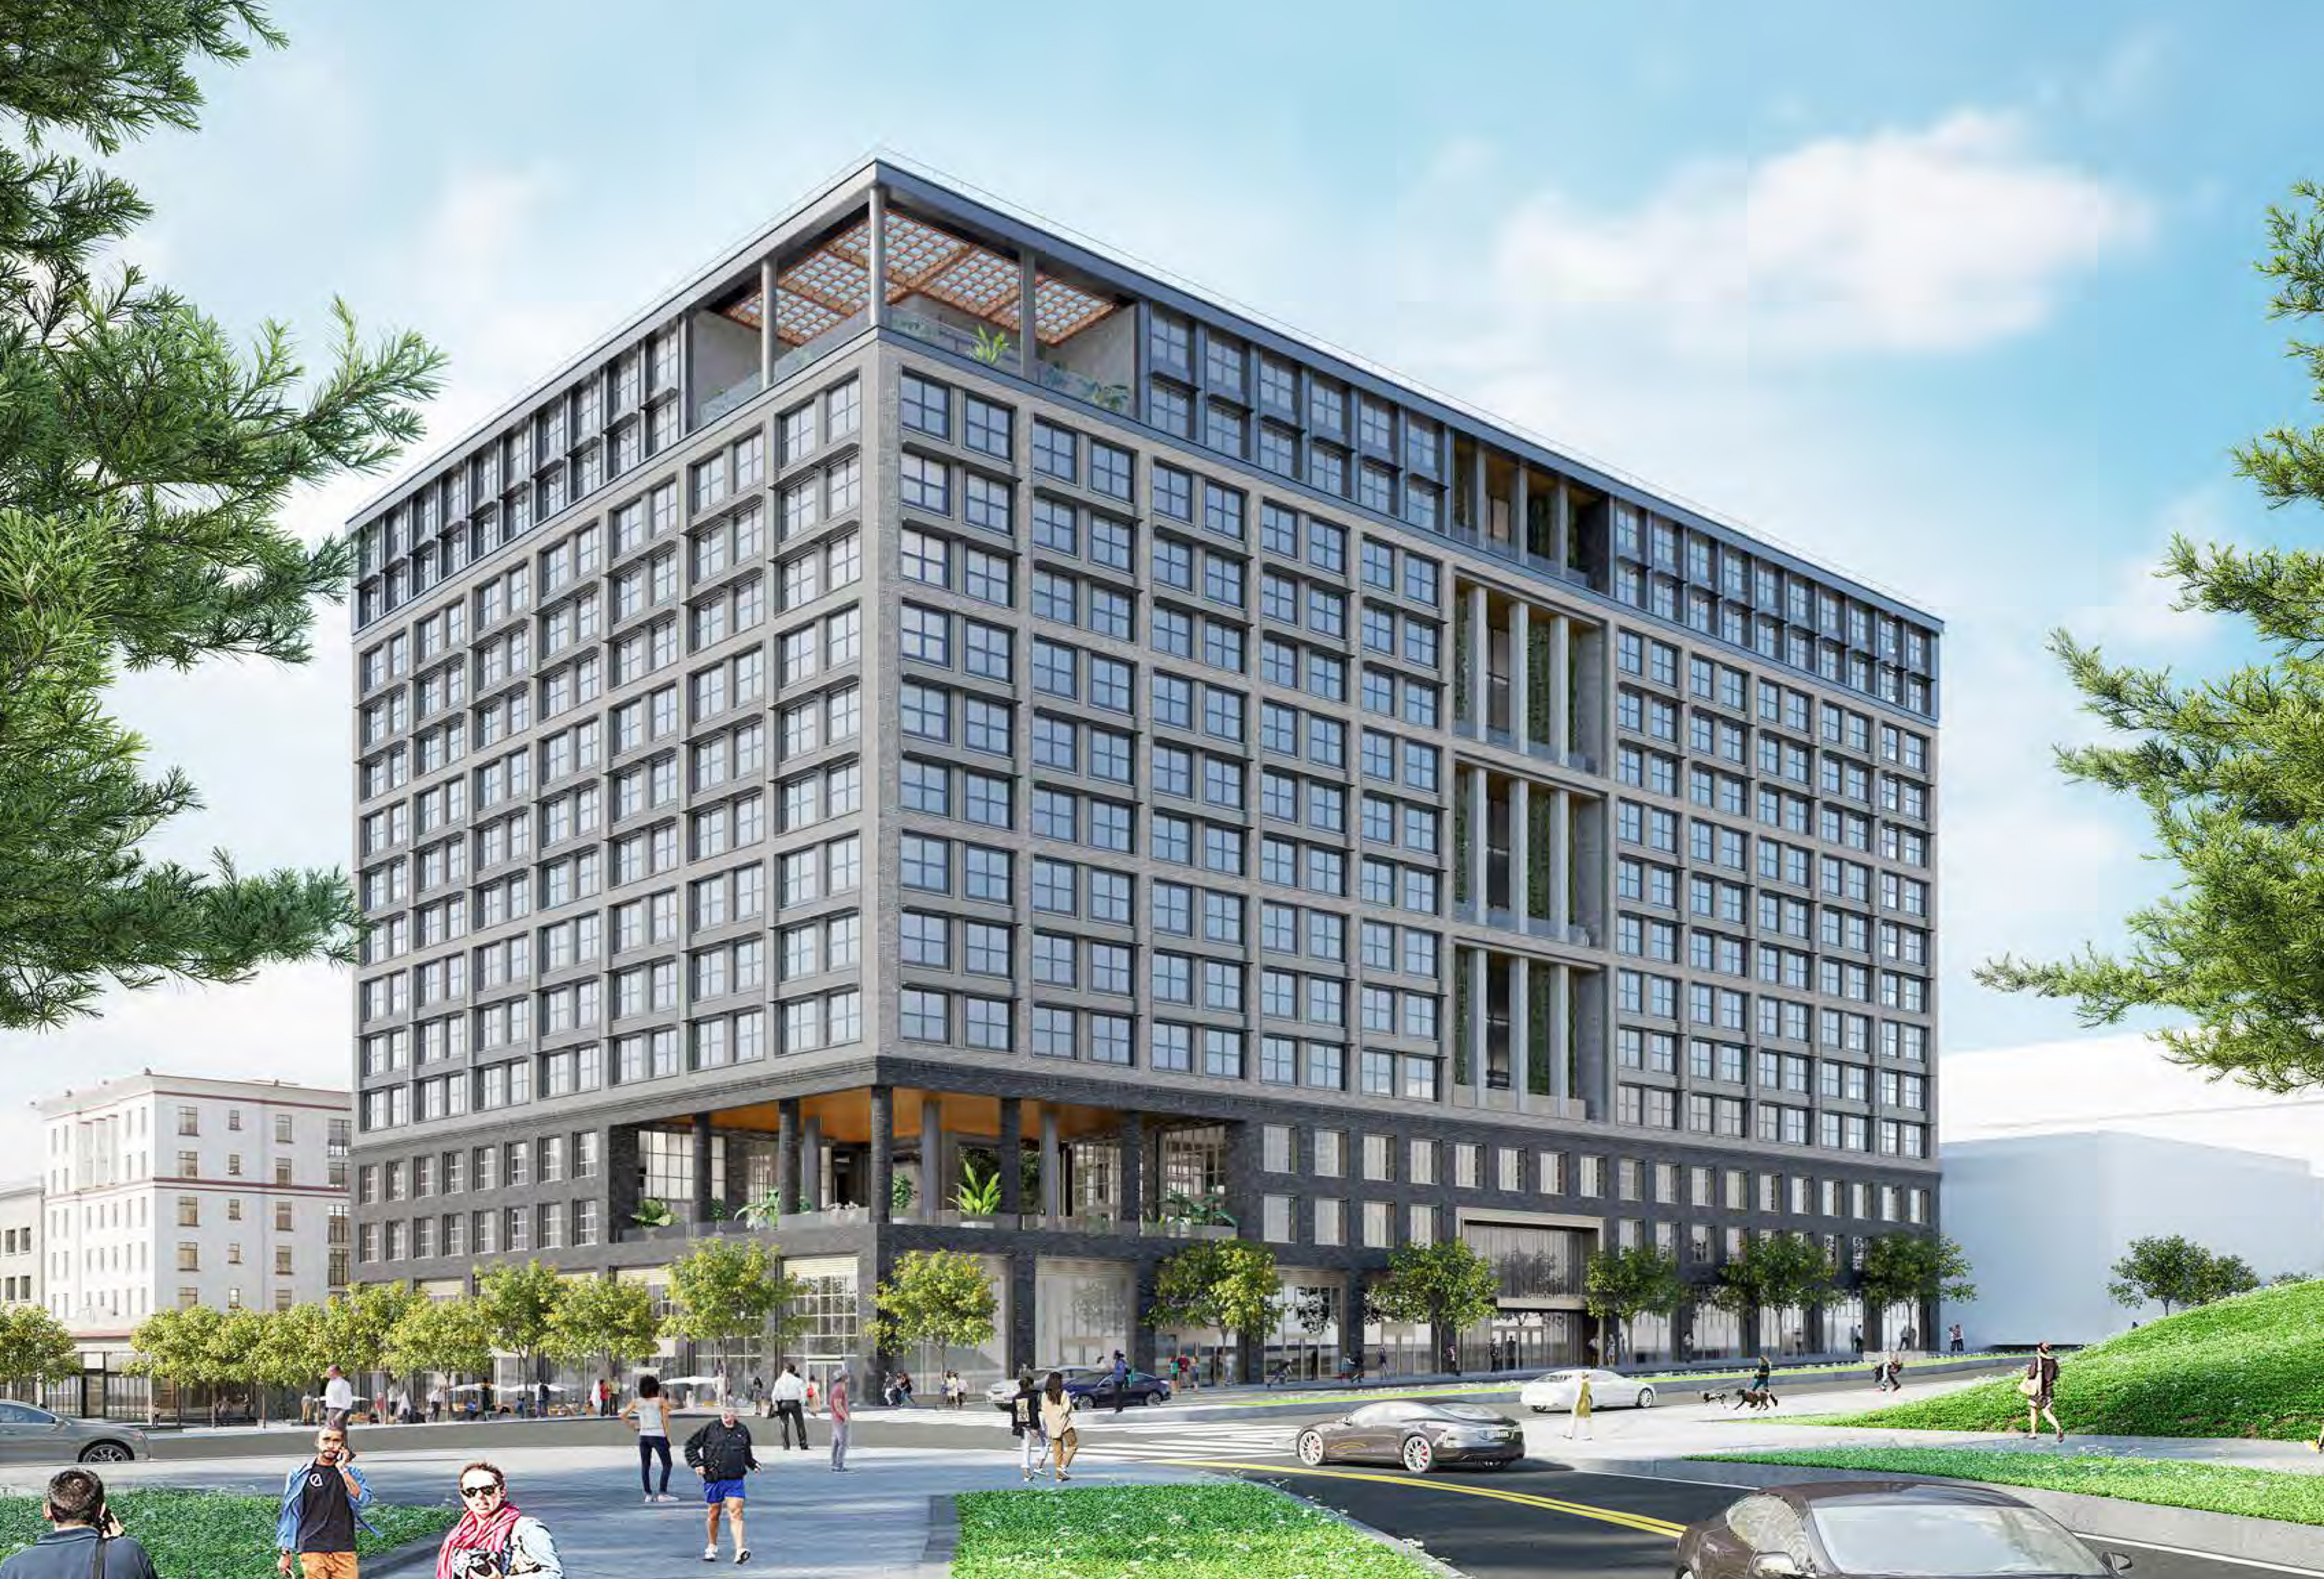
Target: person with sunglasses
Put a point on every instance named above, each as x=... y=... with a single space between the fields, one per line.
x=492 y=1540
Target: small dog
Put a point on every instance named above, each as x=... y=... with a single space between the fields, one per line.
x=1746 y=1398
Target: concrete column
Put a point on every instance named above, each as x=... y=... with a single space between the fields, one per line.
x=1480 y=835
x=1561 y=1035
x=1480 y=503
x=936 y=1184
x=1520 y=1029
x=1561 y=861
x=1561 y=525
x=1053 y=1167
x=1130 y=1171
x=1480 y=644
x=1520 y=673
x=1517 y=509
x=1477 y=976
x=883 y=1152
x=877 y=301
x=767 y=336
x=1561 y=686
x=1012 y=1157
x=702 y=1188
x=1520 y=851
x=811 y=1186
x=786 y=1153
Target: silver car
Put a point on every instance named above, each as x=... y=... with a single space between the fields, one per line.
x=30 y=1434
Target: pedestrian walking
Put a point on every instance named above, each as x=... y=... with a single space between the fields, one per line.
x=649 y=1415
x=1953 y=1338
x=540 y=1400
x=322 y=1502
x=1579 y=1426
x=1856 y=1339
x=720 y=1452
x=1120 y=1381
x=756 y=1394
x=1760 y=1377
x=1057 y=1425
x=437 y=1399
x=951 y=1389
x=83 y=1538
x=338 y=1398
x=492 y=1540
x=2040 y=1387
x=789 y=1401
x=842 y=1412
x=1025 y=1425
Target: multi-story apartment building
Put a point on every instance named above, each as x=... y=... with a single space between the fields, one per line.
x=824 y=740
x=165 y=1190
x=19 y=1243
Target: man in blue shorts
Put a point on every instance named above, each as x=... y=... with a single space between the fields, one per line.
x=720 y=1452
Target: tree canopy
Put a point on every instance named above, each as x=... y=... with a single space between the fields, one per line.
x=2228 y=771
x=519 y=1302
x=1229 y=1284
x=1446 y=1284
x=145 y=459
x=1620 y=1286
x=607 y=1319
x=939 y=1297
x=727 y=1288
x=34 y=1346
x=1901 y=1268
x=2173 y=1270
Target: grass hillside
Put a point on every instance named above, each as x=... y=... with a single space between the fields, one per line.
x=2250 y=1366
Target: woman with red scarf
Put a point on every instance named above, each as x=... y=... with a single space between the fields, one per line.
x=492 y=1540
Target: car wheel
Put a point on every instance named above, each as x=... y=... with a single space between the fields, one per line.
x=1310 y=1448
x=105 y=1453
x=1645 y=1398
x=1538 y=1408
x=1418 y=1454
x=1148 y=1400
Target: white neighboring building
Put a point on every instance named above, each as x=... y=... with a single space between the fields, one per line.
x=170 y=1190
x=19 y=1243
x=2057 y=1155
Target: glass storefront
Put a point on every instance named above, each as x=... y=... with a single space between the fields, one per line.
x=1081 y=1311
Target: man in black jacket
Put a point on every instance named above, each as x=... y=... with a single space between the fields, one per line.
x=720 y=1452
x=77 y=1521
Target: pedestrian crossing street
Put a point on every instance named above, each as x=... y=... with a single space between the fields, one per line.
x=1169 y=1442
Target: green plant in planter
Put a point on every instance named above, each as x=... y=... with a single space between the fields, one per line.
x=1113 y=397
x=980 y=1196
x=764 y=1212
x=1197 y=1211
x=991 y=345
x=900 y=1193
x=654 y=1213
x=719 y=1210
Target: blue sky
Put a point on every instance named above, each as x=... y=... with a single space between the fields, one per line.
x=1958 y=298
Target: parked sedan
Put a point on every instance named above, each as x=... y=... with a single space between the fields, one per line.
x=1609 y=1390
x=1897 y=1529
x=30 y=1434
x=1415 y=1434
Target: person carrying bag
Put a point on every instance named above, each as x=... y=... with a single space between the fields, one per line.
x=1057 y=1424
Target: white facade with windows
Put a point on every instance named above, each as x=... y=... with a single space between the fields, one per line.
x=19 y=1243
x=163 y=1190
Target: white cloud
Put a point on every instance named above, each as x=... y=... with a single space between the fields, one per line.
x=1943 y=238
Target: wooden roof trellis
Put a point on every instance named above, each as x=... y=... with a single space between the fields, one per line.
x=831 y=284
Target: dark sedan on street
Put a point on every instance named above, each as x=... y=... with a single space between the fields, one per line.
x=1415 y=1434
x=1895 y=1529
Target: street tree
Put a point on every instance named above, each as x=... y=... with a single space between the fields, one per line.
x=147 y=459
x=1620 y=1286
x=1920 y=1270
x=453 y=1337
x=518 y=1303
x=725 y=1289
x=2226 y=1276
x=936 y=1296
x=175 y=1347
x=289 y=1354
x=238 y=1349
x=1447 y=1286
x=2226 y=769
x=358 y=1325
x=2167 y=1270
x=1229 y=1284
x=34 y=1346
x=607 y=1320
x=1775 y=1272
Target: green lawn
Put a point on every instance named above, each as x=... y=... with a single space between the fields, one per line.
x=2213 y=1488
x=1228 y=1531
x=211 y=1532
x=2250 y=1366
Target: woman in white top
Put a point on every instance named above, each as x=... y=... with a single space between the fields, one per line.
x=649 y=1415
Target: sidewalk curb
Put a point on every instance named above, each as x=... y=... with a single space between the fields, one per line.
x=407 y=1558
x=944 y=1536
x=1417 y=1552
x=2259 y=1540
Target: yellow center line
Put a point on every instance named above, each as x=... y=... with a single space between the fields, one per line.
x=1644 y=1523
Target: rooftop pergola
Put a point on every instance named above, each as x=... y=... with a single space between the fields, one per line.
x=831 y=284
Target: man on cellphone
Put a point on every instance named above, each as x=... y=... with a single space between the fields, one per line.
x=83 y=1538
x=322 y=1502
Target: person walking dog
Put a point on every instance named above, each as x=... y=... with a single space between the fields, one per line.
x=492 y=1540
x=2040 y=1387
x=720 y=1452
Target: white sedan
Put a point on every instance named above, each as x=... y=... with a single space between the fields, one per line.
x=1608 y=1390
